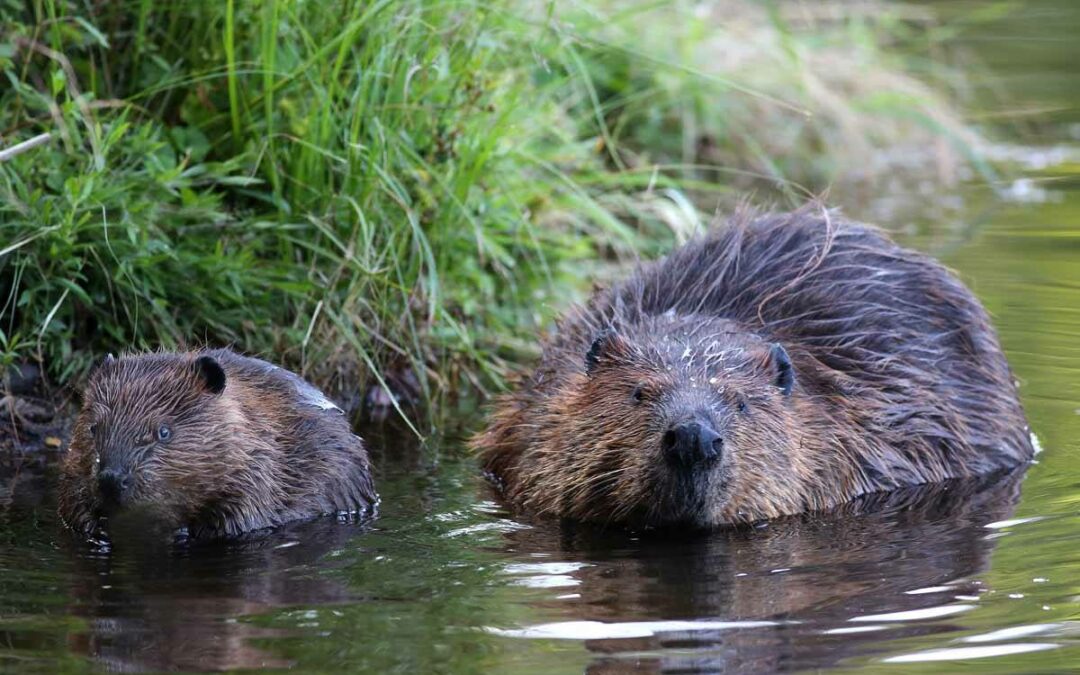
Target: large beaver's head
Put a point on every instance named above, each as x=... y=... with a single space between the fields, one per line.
x=150 y=435
x=681 y=419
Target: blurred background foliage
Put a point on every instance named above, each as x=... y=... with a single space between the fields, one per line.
x=408 y=190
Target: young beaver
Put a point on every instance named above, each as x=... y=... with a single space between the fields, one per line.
x=211 y=444
x=782 y=364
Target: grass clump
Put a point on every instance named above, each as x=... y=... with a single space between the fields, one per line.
x=284 y=180
x=800 y=96
x=386 y=187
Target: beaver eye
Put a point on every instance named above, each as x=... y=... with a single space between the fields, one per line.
x=638 y=394
x=164 y=433
x=93 y=429
x=744 y=405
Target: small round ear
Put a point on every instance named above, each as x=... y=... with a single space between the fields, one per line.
x=605 y=342
x=105 y=362
x=212 y=374
x=785 y=372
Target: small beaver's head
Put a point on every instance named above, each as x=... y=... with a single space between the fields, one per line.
x=681 y=419
x=149 y=436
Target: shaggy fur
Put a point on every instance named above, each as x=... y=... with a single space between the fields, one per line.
x=898 y=380
x=250 y=446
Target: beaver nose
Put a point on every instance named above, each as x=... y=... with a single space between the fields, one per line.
x=114 y=485
x=690 y=443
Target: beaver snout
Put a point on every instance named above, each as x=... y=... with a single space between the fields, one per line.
x=114 y=486
x=692 y=442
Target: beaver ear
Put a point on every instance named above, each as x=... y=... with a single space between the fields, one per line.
x=107 y=362
x=606 y=343
x=785 y=373
x=212 y=373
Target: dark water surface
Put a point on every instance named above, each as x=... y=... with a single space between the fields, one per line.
x=962 y=577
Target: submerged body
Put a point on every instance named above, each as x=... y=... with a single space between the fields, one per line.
x=782 y=364
x=211 y=444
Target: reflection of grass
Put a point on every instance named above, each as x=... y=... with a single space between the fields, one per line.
x=400 y=182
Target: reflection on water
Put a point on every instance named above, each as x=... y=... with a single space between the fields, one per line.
x=152 y=608
x=824 y=585
x=900 y=578
x=962 y=577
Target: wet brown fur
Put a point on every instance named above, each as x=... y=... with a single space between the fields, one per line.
x=899 y=380
x=266 y=450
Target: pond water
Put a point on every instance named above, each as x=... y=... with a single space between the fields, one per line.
x=962 y=577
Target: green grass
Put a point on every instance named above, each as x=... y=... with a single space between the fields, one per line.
x=354 y=188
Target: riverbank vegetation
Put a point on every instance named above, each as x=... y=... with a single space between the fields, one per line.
x=367 y=189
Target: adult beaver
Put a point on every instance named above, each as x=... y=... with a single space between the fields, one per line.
x=211 y=444
x=782 y=364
